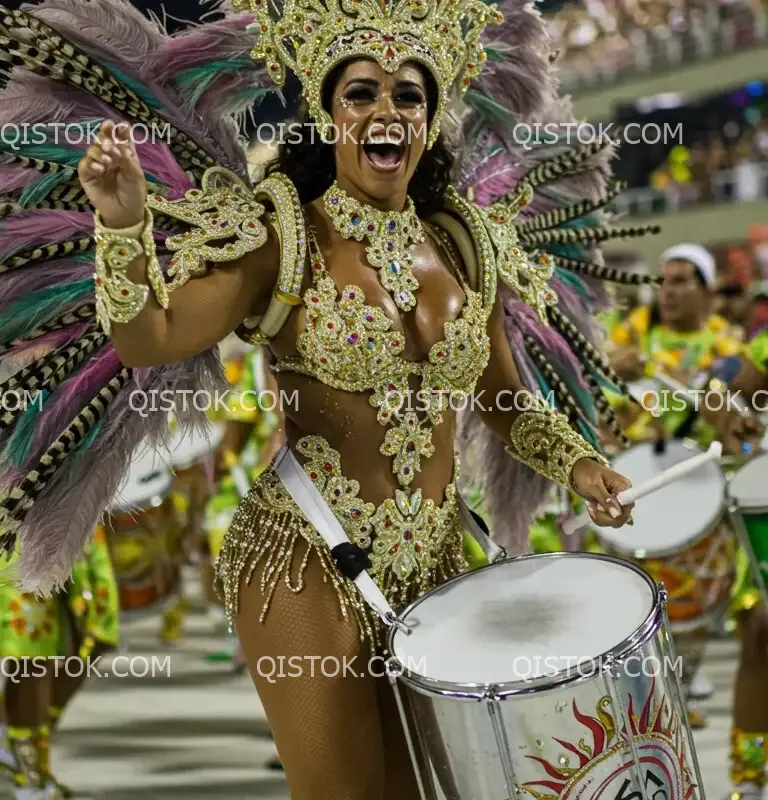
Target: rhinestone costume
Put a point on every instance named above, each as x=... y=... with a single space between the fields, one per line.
x=349 y=345
x=414 y=544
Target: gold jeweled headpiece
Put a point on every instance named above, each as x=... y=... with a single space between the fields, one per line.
x=311 y=37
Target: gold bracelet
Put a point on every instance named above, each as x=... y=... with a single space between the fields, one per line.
x=543 y=439
x=119 y=299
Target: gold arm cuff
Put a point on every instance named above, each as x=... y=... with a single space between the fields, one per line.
x=288 y=222
x=119 y=299
x=543 y=439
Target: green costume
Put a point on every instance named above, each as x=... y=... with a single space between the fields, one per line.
x=32 y=626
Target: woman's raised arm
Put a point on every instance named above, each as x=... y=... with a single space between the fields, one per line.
x=197 y=315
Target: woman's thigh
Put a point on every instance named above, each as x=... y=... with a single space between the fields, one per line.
x=309 y=666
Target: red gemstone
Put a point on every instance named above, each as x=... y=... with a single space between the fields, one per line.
x=327 y=467
x=313 y=475
x=388 y=38
x=390 y=53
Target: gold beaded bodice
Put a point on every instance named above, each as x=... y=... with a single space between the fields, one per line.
x=351 y=346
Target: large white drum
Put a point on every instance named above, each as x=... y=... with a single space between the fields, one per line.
x=544 y=676
x=674 y=518
x=680 y=537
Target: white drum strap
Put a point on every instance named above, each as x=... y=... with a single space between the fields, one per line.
x=493 y=552
x=307 y=497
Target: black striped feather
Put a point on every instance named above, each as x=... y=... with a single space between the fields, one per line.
x=606 y=412
x=38 y=254
x=604 y=273
x=50 y=371
x=52 y=56
x=586 y=350
x=559 y=216
x=22 y=497
x=80 y=314
x=584 y=236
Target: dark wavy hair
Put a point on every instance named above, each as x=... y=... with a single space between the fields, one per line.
x=309 y=162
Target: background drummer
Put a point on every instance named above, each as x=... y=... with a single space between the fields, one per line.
x=678 y=334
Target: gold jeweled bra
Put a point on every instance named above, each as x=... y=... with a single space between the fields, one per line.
x=351 y=346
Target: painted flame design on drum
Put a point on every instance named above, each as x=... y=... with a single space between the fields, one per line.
x=602 y=770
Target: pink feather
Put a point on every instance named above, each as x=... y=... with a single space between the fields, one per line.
x=38 y=227
x=19 y=283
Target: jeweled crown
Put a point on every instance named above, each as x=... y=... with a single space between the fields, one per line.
x=311 y=37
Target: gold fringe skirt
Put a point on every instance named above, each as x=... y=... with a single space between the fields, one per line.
x=268 y=529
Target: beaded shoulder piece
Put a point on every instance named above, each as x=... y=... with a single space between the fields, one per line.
x=225 y=223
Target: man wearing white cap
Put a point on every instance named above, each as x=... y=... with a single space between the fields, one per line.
x=679 y=337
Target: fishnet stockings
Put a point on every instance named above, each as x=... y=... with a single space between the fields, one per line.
x=339 y=738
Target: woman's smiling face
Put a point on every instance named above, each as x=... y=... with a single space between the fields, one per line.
x=381 y=124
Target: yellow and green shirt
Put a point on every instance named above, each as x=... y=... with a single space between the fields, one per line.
x=691 y=352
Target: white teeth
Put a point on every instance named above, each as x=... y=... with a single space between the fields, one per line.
x=384 y=140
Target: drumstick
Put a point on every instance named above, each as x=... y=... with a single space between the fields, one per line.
x=652 y=485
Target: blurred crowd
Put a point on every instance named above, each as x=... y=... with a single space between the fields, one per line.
x=716 y=169
x=610 y=36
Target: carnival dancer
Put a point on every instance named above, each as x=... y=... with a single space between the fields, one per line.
x=79 y=622
x=370 y=277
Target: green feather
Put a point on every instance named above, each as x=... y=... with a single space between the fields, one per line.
x=88 y=441
x=137 y=87
x=33 y=310
x=494 y=55
x=489 y=108
x=37 y=192
x=198 y=79
x=17 y=448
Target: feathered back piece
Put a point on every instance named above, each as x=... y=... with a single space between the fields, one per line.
x=518 y=130
x=68 y=424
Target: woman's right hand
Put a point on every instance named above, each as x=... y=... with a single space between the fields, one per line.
x=112 y=177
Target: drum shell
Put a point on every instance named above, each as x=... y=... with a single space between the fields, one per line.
x=561 y=731
x=142 y=543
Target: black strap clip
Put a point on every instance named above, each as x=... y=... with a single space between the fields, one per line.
x=351 y=559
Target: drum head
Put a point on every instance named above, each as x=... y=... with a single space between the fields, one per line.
x=523 y=619
x=188 y=447
x=749 y=486
x=148 y=479
x=673 y=518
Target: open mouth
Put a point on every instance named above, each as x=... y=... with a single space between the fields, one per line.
x=384 y=154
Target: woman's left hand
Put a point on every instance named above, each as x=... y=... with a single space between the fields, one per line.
x=599 y=485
